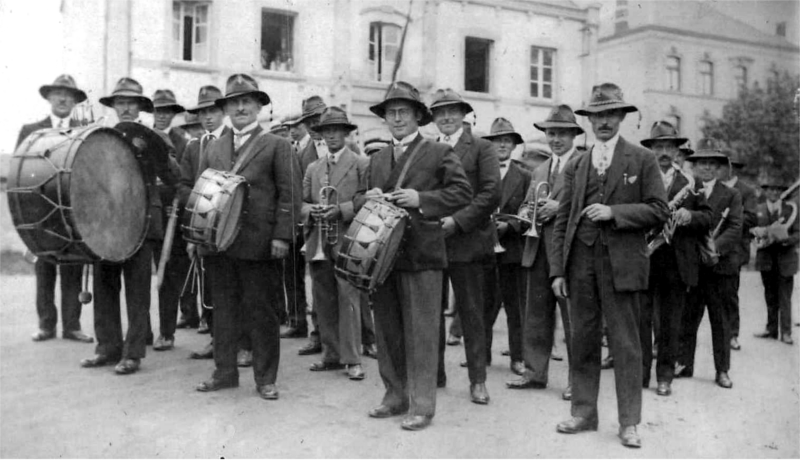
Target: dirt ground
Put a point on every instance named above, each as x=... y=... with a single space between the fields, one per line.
x=50 y=407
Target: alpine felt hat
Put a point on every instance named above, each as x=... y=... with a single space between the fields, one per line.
x=312 y=106
x=402 y=91
x=165 y=99
x=64 y=82
x=206 y=97
x=663 y=130
x=445 y=97
x=606 y=96
x=503 y=127
x=561 y=116
x=334 y=116
x=240 y=84
x=708 y=149
x=128 y=87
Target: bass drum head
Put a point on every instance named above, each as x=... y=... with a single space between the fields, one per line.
x=230 y=219
x=109 y=196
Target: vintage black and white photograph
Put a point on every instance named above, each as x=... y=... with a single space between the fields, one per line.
x=399 y=229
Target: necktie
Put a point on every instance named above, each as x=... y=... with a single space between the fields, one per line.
x=602 y=163
x=557 y=168
x=398 y=152
x=237 y=140
x=447 y=139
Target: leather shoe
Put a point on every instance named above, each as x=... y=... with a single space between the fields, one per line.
x=311 y=348
x=99 y=360
x=478 y=393
x=41 y=335
x=608 y=363
x=127 y=366
x=78 y=336
x=453 y=340
x=723 y=380
x=269 y=391
x=629 y=436
x=323 y=366
x=735 y=344
x=567 y=394
x=370 y=351
x=355 y=372
x=464 y=363
x=441 y=382
x=576 y=425
x=787 y=339
x=766 y=335
x=525 y=382
x=506 y=352
x=244 y=358
x=518 y=367
x=215 y=384
x=683 y=371
x=205 y=353
x=415 y=422
x=163 y=344
x=182 y=323
x=664 y=389
x=293 y=332
x=384 y=411
x=203 y=328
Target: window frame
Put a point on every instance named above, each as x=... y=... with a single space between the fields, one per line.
x=488 y=64
x=292 y=45
x=177 y=54
x=540 y=72
x=670 y=70
x=377 y=70
x=703 y=73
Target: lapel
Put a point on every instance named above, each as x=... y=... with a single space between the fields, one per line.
x=248 y=146
x=619 y=164
x=463 y=145
x=579 y=184
x=510 y=184
x=395 y=173
x=347 y=159
x=678 y=183
x=223 y=159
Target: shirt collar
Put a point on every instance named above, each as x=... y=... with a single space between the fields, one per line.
x=563 y=159
x=611 y=144
x=167 y=129
x=247 y=129
x=57 y=121
x=732 y=181
x=453 y=137
x=302 y=143
x=217 y=133
x=710 y=184
x=776 y=206
x=406 y=140
x=505 y=164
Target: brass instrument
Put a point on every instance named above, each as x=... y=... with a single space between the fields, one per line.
x=657 y=239
x=777 y=231
x=530 y=207
x=498 y=248
x=708 y=248
x=331 y=230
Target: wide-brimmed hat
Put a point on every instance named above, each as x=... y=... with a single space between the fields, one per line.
x=312 y=106
x=206 y=97
x=190 y=120
x=375 y=144
x=445 y=97
x=64 y=82
x=606 y=96
x=708 y=149
x=503 y=127
x=334 y=116
x=165 y=99
x=663 y=131
x=774 y=181
x=276 y=126
x=402 y=91
x=734 y=156
x=292 y=120
x=240 y=84
x=128 y=87
x=560 y=116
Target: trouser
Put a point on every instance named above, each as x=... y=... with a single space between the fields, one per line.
x=45 y=295
x=170 y=299
x=712 y=291
x=407 y=315
x=778 y=295
x=367 y=322
x=505 y=289
x=592 y=296
x=338 y=306
x=293 y=276
x=244 y=296
x=468 y=287
x=733 y=305
x=137 y=272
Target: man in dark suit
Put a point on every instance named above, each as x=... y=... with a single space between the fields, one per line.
x=613 y=194
x=507 y=287
x=62 y=95
x=246 y=276
x=407 y=305
x=778 y=234
x=561 y=128
x=128 y=100
x=716 y=283
x=469 y=233
x=674 y=265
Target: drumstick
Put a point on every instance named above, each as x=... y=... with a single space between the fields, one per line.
x=167 y=248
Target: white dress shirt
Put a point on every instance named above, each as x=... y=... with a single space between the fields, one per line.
x=504 y=165
x=603 y=150
x=60 y=123
x=217 y=133
x=452 y=139
x=708 y=187
x=241 y=136
x=560 y=161
x=775 y=207
x=302 y=143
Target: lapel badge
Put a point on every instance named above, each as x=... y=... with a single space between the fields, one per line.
x=632 y=179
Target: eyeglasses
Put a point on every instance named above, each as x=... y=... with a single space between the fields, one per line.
x=403 y=113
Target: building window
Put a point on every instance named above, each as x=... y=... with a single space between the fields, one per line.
x=277 y=40
x=542 y=72
x=706 y=78
x=740 y=76
x=476 y=64
x=384 y=44
x=190 y=31
x=673 y=73
x=780 y=29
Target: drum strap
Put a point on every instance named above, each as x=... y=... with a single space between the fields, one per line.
x=409 y=160
x=245 y=155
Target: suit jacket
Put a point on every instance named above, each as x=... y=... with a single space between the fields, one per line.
x=190 y=166
x=348 y=176
x=274 y=201
x=635 y=192
x=512 y=195
x=179 y=139
x=474 y=236
x=437 y=175
x=730 y=236
x=749 y=219
x=162 y=178
x=307 y=156
x=43 y=124
x=783 y=254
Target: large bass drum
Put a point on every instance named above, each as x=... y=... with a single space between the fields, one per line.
x=371 y=244
x=78 y=196
x=214 y=209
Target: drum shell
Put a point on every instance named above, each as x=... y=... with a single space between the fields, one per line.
x=209 y=209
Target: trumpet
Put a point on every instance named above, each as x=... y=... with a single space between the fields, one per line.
x=778 y=230
x=330 y=230
x=530 y=207
x=498 y=248
x=657 y=239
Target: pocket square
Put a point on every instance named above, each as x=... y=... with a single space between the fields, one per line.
x=632 y=179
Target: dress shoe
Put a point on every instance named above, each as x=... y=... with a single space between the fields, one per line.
x=441 y=382
x=723 y=380
x=77 y=336
x=453 y=340
x=182 y=323
x=506 y=352
x=655 y=351
x=149 y=339
x=162 y=343
x=567 y=394
x=525 y=382
x=576 y=425
x=355 y=372
x=735 y=344
x=646 y=382
x=41 y=335
x=478 y=393
x=205 y=353
x=664 y=389
x=415 y=422
x=203 y=328
x=269 y=391
x=683 y=371
x=244 y=358
x=311 y=348
x=127 y=366
x=293 y=332
x=216 y=384
x=99 y=360
x=464 y=363
x=608 y=363
x=556 y=356
x=450 y=312
x=518 y=367
x=323 y=366
x=629 y=436
x=370 y=351
x=384 y=411
x=766 y=335
x=787 y=339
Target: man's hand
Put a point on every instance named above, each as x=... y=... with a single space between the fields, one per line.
x=405 y=197
x=191 y=249
x=331 y=213
x=373 y=193
x=598 y=212
x=546 y=210
x=502 y=228
x=280 y=249
x=560 y=287
x=682 y=217
x=449 y=226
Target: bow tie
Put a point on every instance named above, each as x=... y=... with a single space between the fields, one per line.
x=503 y=165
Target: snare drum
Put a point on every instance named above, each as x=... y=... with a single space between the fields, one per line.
x=78 y=196
x=213 y=213
x=371 y=244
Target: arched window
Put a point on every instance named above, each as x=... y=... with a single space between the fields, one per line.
x=740 y=76
x=706 y=78
x=384 y=43
x=673 y=73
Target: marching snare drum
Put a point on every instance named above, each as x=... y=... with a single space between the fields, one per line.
x=213 y=213
x=78 y=196
x=371 y=244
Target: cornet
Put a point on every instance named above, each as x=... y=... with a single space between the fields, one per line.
x=530 y=207
x=498 y=248
x=330 y=230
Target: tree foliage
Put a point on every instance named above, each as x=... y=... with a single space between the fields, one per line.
x=763 y=127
